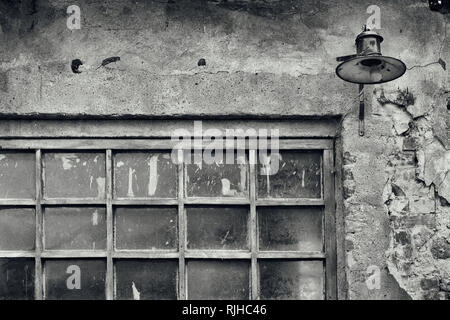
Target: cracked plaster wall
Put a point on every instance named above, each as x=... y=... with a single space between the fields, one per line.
x=266 y=59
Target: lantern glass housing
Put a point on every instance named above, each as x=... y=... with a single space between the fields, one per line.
x=369 y=66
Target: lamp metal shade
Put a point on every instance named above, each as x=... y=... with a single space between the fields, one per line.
x=371 y=69
x=368 y=66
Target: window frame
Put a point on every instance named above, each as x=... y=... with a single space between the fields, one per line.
x=160 y=142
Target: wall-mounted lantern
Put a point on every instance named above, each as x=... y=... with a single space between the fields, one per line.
x=368 y=66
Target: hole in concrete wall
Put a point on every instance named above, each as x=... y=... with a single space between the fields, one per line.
x=201 y=62
x=76 y=63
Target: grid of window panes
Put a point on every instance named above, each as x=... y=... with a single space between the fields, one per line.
x=137 y=225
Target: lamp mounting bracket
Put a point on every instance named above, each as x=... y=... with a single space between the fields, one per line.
x=345 y=58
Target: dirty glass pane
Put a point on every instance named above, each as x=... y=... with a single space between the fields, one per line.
x=16 y=279
x=217 y=227
x=146 y=228
x=218 y=280
x=215 y=178
x=75 y=279
x=75 y=228
x=297 y=280
x=298 y=175
x=17 y=175
x=74 y=175
x=146 y=279
x=290 y=228
x=17 y=229
x=144 y=175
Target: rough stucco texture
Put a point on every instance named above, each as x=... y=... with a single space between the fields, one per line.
x=266 y=59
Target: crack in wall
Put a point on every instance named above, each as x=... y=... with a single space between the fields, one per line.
x=440 y=61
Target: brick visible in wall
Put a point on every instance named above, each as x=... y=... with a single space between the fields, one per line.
x=440 y=248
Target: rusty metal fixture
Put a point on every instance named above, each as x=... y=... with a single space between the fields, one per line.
x=368 y=65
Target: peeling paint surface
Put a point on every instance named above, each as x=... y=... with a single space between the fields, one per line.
x=146 y=279
x=217 y=179
x=74 y=175
x=298 y=176
x=12 y=270
x=136 y=293
x=152 y=175
x=435 y=163
x=137 y=175
x=414 y=165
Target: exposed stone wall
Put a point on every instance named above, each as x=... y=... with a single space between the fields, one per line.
x=266 y=59
x=416 y=196
x=405 y=156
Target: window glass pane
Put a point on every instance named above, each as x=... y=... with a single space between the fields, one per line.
x=146 y=228
x=16 y=279
x=17 y=175
x=217 y=179
x=302 y=280
x=17 y=229
x=146 y=279
x=213 y=279
x=79 y=279
x=144 y=175
x=298 y=176
x=217 y=227
x=74 y=175
x=75 y=228
x=290 y=228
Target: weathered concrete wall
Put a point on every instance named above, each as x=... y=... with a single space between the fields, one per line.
x=266 y=59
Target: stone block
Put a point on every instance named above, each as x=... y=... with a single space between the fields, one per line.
x=440 y=248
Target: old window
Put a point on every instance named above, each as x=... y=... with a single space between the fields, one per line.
x=105 y=218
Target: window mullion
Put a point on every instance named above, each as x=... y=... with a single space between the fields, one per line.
x=253 y=229
x=182 y=283
x=38 y=284
x=109 y=229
